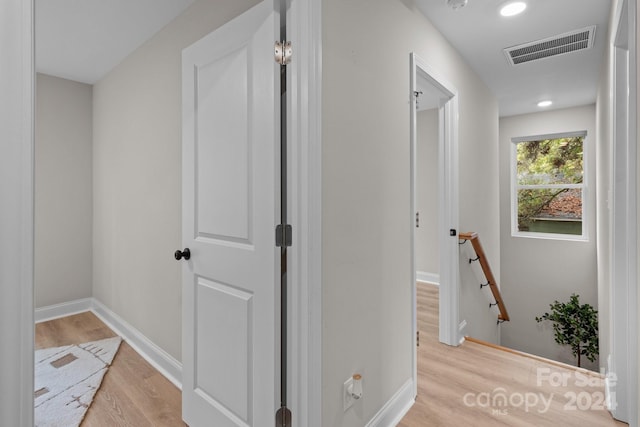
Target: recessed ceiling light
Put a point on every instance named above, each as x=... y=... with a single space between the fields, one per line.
x=543 y=104
x=512 y=8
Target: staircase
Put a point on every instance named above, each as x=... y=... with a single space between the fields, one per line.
x=486 y=277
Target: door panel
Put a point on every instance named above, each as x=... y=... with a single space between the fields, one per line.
x=231 y=182
x=224 y=320
x=222 y=150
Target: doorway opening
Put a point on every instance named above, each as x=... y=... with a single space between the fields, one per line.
x=434 y=100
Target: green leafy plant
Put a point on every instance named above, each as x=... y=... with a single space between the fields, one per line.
x=575 y=325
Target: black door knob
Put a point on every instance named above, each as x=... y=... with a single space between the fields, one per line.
x=186 y=254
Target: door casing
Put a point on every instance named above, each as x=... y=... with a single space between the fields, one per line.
x=624 y=215
x=447 y=205
x=304 y=210
x=17 y=212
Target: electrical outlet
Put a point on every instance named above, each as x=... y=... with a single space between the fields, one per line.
x=347 y=398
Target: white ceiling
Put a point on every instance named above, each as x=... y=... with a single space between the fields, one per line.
x=480 y=34
x=82 y=40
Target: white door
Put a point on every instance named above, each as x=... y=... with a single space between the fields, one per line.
x=231 y=181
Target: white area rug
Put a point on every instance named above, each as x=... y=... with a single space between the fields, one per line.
x=67 y=378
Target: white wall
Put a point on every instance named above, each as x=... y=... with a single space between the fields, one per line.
x=535 y=272
x=137 y=177
x=365 y=207
x=63 y=187
x=427 y=251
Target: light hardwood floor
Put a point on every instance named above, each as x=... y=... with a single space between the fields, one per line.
x=448 y=374
x=133 y=393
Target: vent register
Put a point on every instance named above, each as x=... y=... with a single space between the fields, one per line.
x=553 y=46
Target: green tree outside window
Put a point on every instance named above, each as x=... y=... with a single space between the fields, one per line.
x=549 y=180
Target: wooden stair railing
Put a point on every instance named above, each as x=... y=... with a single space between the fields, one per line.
x=486 y=269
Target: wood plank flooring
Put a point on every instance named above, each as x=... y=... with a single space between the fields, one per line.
x=448 y=374
x=133 y=393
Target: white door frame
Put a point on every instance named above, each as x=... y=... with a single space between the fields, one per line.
x=447 y=206
x=624 y=274
x=16 y=213
x=304 y=127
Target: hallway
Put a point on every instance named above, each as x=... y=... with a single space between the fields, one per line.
x=476 y=385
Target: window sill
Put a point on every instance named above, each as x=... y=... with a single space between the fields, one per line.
x=550 y=236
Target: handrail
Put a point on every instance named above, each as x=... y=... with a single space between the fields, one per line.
x=486 y=268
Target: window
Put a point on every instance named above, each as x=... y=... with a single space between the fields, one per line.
x=548 y=186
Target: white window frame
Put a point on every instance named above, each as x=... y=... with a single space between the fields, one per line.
x=515 y=187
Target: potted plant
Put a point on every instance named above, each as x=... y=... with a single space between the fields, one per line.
x=575 y=325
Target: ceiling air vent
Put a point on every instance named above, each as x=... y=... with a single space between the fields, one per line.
x=553 y=46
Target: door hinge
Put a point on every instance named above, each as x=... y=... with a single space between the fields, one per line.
x=417 y=338
x=283 y=52
x=416 y=95
x=284 y=235
x=283 y=417
x=417 y=219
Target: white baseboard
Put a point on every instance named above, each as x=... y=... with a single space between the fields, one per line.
x=396 y=408
x=462 y=330
x=57 y=311
x=610 y=388
x=610 y=396
x=432 y=278
x=157 y=357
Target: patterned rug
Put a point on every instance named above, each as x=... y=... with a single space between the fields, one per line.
x=67 y=378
